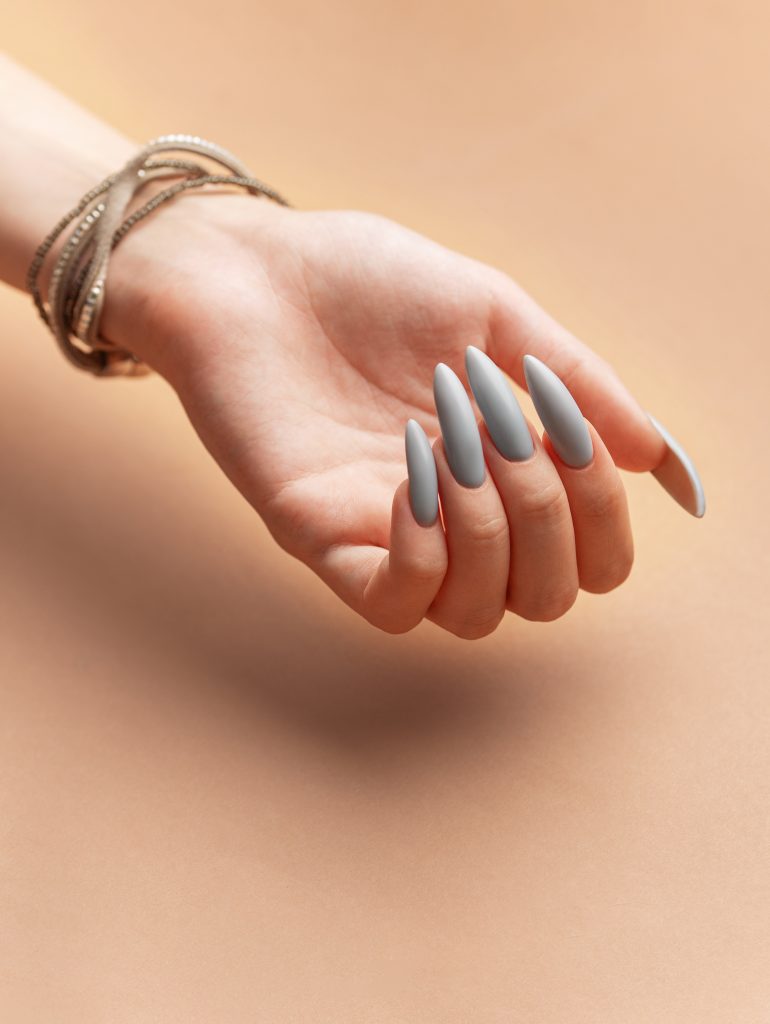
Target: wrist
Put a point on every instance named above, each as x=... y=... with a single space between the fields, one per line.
x=160 y=270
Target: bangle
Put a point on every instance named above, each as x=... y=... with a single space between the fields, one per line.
x=77 y=286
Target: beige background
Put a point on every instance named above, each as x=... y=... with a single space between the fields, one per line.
x=225 y=797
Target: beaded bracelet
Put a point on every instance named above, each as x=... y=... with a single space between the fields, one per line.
x=77 y=286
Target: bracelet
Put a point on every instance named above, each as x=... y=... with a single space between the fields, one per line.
x=77 y=285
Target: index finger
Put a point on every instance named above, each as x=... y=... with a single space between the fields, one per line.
x=519 y=325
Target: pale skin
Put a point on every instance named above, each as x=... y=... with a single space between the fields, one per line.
x=299 y=343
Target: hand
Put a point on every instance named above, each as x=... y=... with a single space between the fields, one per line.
x=300 y=342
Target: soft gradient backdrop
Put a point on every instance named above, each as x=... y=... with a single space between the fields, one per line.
x=224 y=796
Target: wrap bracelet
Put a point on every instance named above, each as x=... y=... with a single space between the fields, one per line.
x=76 y=290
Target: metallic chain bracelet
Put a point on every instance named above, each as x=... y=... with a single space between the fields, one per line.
x=77 y=286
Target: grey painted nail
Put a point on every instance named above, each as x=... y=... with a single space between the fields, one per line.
x=460 y=433
x=559 y=413
x=423 y=480
x=502 y=413
x=678 y=475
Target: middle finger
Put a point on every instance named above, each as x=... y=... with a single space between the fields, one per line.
x=471 y=600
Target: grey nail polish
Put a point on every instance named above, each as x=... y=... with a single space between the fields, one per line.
x=502 y=413
x=677 y=474
x=462 y=441
x=559 y=413
x=423 y=480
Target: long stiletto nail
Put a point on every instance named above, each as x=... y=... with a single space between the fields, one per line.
x=559 y=413
x=677 y=474
x=423 y=480
x=502 y=413
x=462 y=441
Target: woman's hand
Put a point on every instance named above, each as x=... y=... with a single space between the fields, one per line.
x=301 y=342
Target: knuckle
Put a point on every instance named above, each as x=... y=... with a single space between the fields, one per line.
x=291 y=527
x=548 y=503
x=421 y=568
x=476 y=627
x=580 y=367
x=611 y=574
x=393 y=627
x=490 y=529
x=548 y=606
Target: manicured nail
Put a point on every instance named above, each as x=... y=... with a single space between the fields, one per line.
x=421 y=467
x=502 y=413
x=678 y=475
x=462 y=441
x=559 y=413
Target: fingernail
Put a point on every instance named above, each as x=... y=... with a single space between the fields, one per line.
x=502 y=413
x=462 y=441
x=677 y=474
x=559 y=413
x=421 y=467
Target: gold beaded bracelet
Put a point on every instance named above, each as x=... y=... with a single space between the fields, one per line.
x=76 y=289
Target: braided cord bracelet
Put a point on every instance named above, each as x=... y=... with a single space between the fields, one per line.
x=76 y=289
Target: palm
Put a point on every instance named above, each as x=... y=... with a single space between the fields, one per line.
x=322 y=360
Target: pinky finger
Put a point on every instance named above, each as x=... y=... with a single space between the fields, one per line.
x=394 y=588
x=411 y=572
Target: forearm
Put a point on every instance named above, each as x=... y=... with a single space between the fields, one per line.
x=51 y=152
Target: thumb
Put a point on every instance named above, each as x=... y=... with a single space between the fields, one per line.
x=518 y=325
